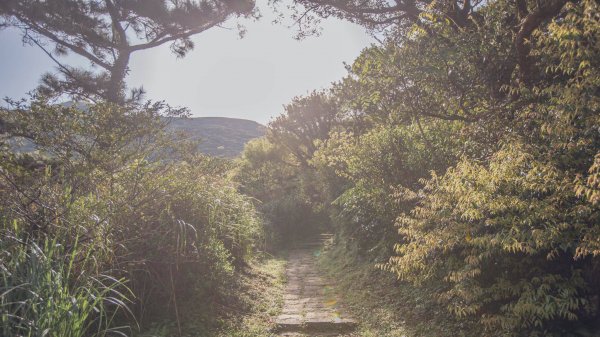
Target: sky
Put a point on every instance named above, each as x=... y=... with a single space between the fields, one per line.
x=250 y=78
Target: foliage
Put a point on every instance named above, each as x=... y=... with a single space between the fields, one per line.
x=274 y=169
x=306 y=120
x=188 y=238
x=384 y=161
x=505 y=238
x=43 y=293
x=107 y=33
x=510 y=235
x=464 y=152
x=124 y=201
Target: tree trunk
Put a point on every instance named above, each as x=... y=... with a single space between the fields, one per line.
x=116 y=84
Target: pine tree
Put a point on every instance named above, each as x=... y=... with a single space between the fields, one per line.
x=107 y=33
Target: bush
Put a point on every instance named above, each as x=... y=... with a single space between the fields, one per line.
x=505 y=238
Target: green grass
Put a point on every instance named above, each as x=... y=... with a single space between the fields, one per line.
x=385 y=307
x=261 y=295
x=246 y=309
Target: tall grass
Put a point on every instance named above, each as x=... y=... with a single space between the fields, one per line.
x=44 y=293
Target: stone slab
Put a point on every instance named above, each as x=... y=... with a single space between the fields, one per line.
x=310 y=307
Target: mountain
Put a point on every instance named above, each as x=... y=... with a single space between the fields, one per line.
x=219 y=136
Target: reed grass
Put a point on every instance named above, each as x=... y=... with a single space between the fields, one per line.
x=44 y=293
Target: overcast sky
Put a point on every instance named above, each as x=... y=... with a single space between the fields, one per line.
x=224 y=75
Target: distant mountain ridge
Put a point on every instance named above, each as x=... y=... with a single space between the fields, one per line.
x=219 y=136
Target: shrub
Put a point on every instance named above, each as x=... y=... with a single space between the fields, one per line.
x=505 y=238
x=107 y=195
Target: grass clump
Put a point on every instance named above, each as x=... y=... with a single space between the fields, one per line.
x=42 y=293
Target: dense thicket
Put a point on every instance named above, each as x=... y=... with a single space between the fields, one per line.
x=109 y=213
x=462 y=156
x=276 y=170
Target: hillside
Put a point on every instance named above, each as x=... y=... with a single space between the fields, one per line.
x=219 y=136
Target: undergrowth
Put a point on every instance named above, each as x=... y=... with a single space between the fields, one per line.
x=247 y=310
x=384 y=306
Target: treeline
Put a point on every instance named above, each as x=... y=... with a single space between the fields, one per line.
x=461 y=154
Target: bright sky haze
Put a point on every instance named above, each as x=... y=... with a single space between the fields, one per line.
x=250 y=78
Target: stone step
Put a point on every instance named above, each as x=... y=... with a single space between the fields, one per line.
x=315 y=242
x=310 y=305
x=322 y=323
x=310 y=334
x=308 y=244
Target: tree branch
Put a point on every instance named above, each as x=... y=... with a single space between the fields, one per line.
x=79 y=50
x=116 y=22
x=170 y=38
x=546 y=10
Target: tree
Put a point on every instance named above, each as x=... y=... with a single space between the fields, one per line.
x=380 y=15
x=307 y=119
x=277 y=169
x=397 y=18
x=476 y=158
x=107 y=33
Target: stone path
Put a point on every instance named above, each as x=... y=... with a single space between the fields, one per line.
x=310 y=308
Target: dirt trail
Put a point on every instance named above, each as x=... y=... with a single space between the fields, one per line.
x=310 y=306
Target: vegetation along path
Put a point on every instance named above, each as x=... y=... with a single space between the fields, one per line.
x=310 y=306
